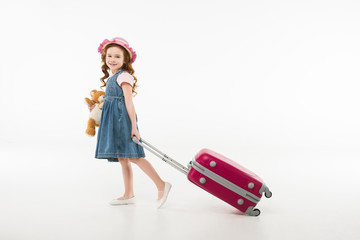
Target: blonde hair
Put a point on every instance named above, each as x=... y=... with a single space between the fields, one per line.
x=127 y=66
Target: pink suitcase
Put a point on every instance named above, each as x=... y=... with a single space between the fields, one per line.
x=221 y=177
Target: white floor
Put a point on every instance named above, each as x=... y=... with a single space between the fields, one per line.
x=59 y=191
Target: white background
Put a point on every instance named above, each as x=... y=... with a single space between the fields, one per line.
x=271 y=84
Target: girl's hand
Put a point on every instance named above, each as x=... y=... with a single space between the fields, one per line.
x=134 y=132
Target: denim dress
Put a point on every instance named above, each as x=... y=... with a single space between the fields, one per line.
x=114 y=140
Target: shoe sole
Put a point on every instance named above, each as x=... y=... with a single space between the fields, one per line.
x=122 y=202
x=113 y=204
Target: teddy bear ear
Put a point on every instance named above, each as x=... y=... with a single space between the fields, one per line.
x=92 y=92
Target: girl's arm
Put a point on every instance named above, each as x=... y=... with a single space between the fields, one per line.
x=127 y=89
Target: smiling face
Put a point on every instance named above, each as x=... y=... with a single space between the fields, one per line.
x=114 y=58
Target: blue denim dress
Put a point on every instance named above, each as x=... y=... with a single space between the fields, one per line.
x=114 y=140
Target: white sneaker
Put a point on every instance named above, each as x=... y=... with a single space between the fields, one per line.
x=166 y=193
x=123 y=202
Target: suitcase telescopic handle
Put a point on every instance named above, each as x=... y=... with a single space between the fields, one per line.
x=161 y=155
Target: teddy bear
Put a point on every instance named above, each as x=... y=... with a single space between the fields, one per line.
x=95 y=105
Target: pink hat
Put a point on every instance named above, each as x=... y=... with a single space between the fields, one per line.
x=120 y=41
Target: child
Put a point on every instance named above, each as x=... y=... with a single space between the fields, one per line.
x=118 y=122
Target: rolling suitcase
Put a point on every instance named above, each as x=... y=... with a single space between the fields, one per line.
x=221 y=177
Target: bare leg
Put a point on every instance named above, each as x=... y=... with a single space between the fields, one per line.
x=128 y=178
x=147 y=168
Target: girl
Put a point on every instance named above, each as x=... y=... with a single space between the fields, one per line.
x=118 y=122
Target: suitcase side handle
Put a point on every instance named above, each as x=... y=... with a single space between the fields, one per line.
x=161 y=155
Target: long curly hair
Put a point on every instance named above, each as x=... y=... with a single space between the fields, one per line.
x=127 y=66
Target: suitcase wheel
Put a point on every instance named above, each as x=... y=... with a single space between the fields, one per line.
x=268 y=194
x=255 y=212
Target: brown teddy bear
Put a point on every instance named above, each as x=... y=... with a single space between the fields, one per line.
x=95 y=107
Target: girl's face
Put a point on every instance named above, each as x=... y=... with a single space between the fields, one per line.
x=114 y=59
